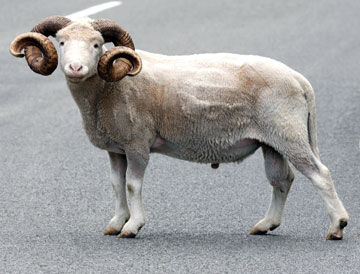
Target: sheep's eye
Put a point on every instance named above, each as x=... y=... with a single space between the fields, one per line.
x=61 y=43
x=96 y=46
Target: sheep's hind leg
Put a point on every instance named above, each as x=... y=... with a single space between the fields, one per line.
x=281 y=177
x=319 y=175
x=118 y=165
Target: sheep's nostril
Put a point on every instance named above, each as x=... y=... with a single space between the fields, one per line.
x=75 y=67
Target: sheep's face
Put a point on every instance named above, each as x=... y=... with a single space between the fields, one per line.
x=80 y=50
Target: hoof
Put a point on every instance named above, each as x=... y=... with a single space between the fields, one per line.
x=256 y=231
x=127 y=234
x=273 y=227
x=339 y=234
x=111 y=231
x=334 y=237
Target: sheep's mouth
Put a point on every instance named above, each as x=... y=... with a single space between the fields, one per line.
x=76 y=76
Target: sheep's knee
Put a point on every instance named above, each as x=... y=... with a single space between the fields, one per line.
x=277 y=168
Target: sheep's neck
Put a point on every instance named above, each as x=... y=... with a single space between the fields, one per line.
x=86 y=95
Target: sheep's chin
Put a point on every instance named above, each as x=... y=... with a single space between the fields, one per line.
x=73 y=79
x=77 y=79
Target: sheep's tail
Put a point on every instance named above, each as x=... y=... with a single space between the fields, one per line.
x=312 y=131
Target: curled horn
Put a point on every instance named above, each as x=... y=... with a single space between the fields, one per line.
x=40 y=52
x=113 y=32
x=120 y=61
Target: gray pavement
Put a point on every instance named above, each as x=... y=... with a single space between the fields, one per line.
x=55 y=195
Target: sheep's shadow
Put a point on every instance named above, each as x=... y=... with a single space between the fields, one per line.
x=207 y=240
x=233 y=242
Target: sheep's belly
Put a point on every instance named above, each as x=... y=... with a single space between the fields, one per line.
x=207 y=152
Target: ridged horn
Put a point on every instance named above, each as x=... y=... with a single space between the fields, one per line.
x=43 y=57
x=40 y=53
x=118 y=62
x=113 y=32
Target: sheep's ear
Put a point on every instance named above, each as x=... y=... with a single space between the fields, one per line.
x=40 y=52
x=118 y=62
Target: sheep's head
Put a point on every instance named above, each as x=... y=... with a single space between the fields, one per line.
x=82 y=53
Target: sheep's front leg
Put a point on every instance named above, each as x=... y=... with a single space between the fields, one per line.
x=118 y=165
x=137 y=163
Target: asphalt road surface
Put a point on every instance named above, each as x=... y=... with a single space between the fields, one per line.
x=55 y=192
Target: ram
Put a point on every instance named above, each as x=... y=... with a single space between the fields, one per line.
x=206 y=108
